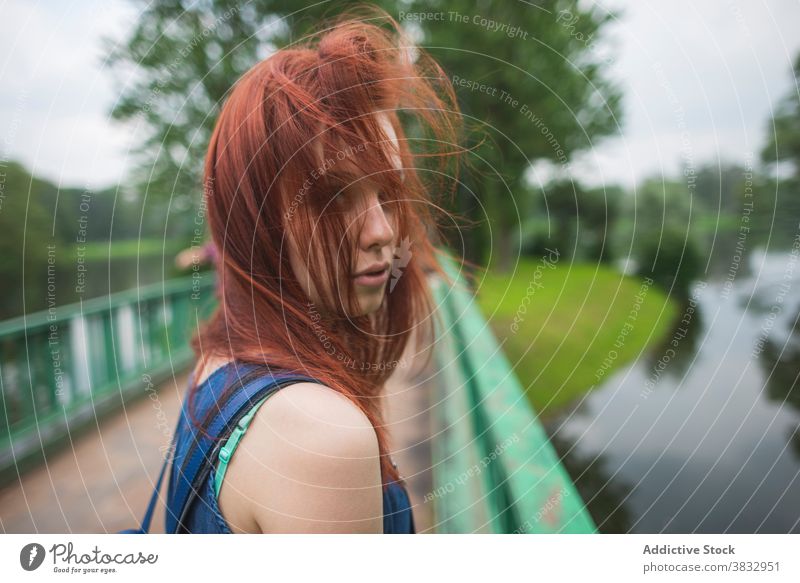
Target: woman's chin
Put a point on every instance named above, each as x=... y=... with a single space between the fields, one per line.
x=370 y=303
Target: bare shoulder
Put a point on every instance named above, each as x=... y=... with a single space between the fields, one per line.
x=324 y=408
x=308 y=463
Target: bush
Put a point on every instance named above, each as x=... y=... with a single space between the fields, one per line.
x=670 y=257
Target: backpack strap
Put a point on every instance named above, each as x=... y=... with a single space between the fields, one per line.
x=198 y=463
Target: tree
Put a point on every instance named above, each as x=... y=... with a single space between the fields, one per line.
x=777 y=204
x=533 y=81
x=783 y=135
x=579 y=221
x=27 y=226
x=719 y=188
x=185 y=56
x=663 y=235
x=671 y=257
x=549 y=97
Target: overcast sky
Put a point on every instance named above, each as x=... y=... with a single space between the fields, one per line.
x=700 y=80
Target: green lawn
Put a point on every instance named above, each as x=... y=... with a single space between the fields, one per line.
x=96 y=250
x=570 y=325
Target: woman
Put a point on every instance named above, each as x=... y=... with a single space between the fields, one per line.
x=322 y=223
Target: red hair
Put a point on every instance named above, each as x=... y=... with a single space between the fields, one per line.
x=290 y=116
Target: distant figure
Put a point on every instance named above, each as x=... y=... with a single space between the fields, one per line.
x=204 y=255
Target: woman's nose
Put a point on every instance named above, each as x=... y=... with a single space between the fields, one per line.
x=377 y=230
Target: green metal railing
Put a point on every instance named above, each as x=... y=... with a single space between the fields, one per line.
x=62 y=368
x=494 y=469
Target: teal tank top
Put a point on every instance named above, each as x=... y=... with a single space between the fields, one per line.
x=227 y=450
x=204 y=515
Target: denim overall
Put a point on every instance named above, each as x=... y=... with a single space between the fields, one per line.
x=202 y=514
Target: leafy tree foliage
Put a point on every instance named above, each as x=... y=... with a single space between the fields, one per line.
x=547 y=93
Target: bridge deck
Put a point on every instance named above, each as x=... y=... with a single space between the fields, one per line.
x=101 y=480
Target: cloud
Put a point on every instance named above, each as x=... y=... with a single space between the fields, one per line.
x=57 y=94
x=717 y=68
x=711 y=70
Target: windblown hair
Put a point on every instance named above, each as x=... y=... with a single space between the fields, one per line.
x=295 y=131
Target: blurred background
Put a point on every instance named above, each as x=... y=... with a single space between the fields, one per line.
x=632 y=197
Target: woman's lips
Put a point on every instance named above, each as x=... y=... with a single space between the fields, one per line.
x=373 y=279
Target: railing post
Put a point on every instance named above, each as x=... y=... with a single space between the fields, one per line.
x=59 y=368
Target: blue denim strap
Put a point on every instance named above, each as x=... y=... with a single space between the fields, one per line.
x=197 y=467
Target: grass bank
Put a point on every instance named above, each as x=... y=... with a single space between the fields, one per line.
x=97 y=250
x=567 y=327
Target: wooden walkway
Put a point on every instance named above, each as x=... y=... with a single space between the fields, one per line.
x=101 y=481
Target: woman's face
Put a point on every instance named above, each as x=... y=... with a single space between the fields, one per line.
x=375 y=242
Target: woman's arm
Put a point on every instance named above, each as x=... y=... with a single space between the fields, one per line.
x=307 y=463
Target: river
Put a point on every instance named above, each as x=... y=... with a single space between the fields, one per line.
x=702 y=434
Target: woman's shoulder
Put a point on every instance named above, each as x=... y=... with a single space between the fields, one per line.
x=308 y=463
x=316 y=404
x=312 y=419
